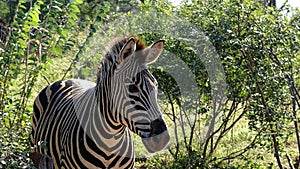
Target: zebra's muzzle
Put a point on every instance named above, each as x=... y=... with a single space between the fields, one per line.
x=158 y=138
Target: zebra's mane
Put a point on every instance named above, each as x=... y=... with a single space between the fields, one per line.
x=112 y=55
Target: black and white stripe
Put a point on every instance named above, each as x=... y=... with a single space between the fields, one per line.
x=87 y=125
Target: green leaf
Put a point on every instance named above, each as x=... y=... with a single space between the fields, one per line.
x=56 y=51
x=21 y=14
x=44 y=58
x=34 y=18
x=77 y=2
x=71 y=21
x=51 y=27
x=25 y=117
x=40 y=2
x=61 y=32
x=22 y=43
x=44 y=73
x=74 y=8
x=22 y=7
x=106 y=9
x=26 y=28
x=74 y=16
x=49 y=60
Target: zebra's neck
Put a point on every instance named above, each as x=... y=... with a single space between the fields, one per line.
x=111 y=138
x=104 y=111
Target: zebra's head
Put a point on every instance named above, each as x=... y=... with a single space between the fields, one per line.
x=134 y=93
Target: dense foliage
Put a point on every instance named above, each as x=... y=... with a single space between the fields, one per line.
x=255 y=46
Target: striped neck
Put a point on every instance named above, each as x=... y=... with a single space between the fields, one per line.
x=113 y=139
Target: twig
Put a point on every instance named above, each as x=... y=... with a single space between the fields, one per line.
x=228 y=128
x=242 y=151
x=290 y=161
x=47 y=80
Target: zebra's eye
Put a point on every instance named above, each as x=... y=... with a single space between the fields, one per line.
x=133 y=88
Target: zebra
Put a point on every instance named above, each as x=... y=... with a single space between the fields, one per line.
x=88 y=125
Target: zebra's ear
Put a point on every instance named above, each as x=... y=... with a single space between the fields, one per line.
x=127 y=50
x=154 y=51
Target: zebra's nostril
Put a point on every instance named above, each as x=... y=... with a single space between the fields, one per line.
x=158 y=126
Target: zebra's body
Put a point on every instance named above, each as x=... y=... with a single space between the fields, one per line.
x=87 y=125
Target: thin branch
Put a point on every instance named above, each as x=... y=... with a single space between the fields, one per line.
x=238 y=153
x=175 y=125
x=266 y=107
x=290 y=161
x=223 y=133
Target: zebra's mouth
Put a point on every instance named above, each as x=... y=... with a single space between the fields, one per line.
x=158 y=138
x=157 y=142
